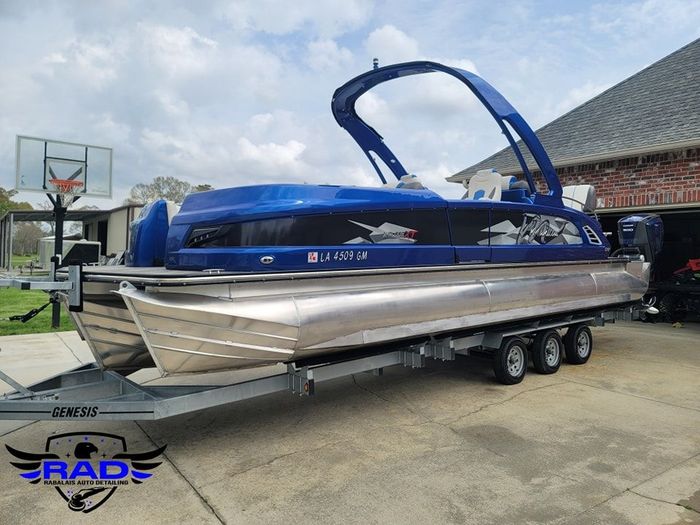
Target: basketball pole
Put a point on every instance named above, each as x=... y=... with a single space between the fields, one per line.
x=59 y=214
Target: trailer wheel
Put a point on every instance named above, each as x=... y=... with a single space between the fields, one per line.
x=510 y=361
x=547 y=349
x=578 y=344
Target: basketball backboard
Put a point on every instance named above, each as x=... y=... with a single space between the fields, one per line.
x=41 y=160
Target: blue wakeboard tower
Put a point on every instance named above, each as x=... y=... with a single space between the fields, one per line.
x=372 y=143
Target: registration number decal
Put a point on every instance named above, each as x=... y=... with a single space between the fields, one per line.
x=337 y=256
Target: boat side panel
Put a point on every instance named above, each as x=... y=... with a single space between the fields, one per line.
x=466 y=231
x=313 y=258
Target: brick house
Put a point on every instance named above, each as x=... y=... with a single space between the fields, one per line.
x=638 y=143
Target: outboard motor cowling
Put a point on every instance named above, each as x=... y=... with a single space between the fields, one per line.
x=643 y=233
x=148 y=234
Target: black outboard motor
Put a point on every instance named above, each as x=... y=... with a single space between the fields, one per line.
x=642 y=234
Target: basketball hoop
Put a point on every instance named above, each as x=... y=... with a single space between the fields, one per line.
x=66 y=189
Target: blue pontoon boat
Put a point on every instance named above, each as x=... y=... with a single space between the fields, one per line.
x=255 y=275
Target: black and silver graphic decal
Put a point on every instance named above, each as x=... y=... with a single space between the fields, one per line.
x=386 y=233
x=422 y=226
x=534 y=229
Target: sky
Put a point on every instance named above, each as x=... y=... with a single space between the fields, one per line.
x=238 y=92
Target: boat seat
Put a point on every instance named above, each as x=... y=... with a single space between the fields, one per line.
x=410 y=182
x=486 y=185
x=580 y=197
x=511 y=189
x=514 y=190
x=516 y=195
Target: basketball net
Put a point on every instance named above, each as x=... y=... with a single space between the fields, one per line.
x=67 y=189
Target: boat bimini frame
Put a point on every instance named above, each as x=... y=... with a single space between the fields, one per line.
x=505 y=115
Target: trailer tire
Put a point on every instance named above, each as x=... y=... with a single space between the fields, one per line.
x=578 y=344
x=547 y=351
x=510 y=361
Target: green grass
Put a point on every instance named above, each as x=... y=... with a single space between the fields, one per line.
x=19 y=260
x=23 y=261
x=13 y=301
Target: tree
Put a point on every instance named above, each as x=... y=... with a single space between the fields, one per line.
x=51 y=225
x=27 y=235
x=73 y=227
x=7 y=203
x=168 y=188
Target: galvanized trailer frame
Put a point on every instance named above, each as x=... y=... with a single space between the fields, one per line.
x=90 y=393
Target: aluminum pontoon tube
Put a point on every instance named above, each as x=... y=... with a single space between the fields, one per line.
x=205 y=328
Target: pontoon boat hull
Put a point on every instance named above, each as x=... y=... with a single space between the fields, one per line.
x=213 y=323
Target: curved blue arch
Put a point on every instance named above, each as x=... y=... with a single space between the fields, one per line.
x=345 y=97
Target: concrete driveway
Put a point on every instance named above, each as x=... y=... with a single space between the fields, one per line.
x=616 y=441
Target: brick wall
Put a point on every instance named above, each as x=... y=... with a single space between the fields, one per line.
x=671 y=177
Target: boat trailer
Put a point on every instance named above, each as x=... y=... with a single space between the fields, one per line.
x=92 y=393
x=89 y=392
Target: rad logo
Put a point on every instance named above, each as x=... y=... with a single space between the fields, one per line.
x=85 y=468
x=312 y=257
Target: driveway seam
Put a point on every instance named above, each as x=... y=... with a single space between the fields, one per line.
x=677 y=464
x=686 y=507
x=631 y=395
x=201 y=496
x=503 y=401
x=272 y=460
x=16 y=429
x=58 y=334
x=593 y=506
x=630 y=489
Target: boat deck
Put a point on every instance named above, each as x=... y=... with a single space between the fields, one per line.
x=161 y=276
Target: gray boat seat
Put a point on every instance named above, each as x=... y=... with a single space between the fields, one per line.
x=580 y=197
x=486 y=185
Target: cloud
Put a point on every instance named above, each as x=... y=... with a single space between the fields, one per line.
x=328 y=19
x=623 y=20
x=438 y=94
x=373 y=108
x=324 y=55
x=171 y=104
x=391 y=45
x=177 y=50
x=93 y=62
x=273 y=159
x=54 y=58
x=105 y=129
x=260 y=123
